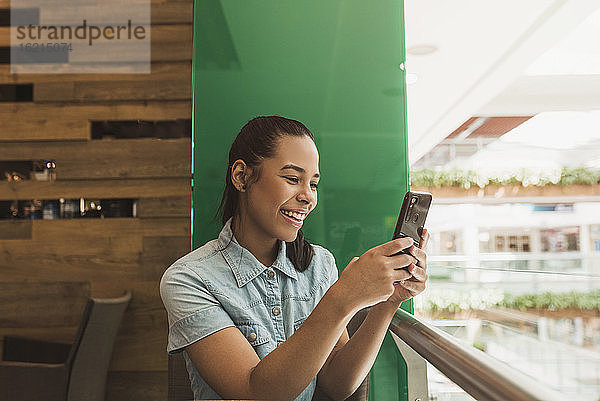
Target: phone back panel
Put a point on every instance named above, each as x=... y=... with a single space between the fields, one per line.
x=414 y=211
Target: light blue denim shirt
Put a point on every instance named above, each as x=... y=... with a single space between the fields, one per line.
x=222 y=284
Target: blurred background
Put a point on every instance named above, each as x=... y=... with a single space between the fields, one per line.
x=504 y=131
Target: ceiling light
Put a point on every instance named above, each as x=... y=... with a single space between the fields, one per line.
x=411 y=78
x=421 y=50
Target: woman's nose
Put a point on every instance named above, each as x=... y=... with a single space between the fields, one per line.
x=308 y=194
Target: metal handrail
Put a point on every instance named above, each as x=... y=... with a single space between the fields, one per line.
x=480 y=375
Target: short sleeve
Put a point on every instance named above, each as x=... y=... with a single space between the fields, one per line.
x=192 y=310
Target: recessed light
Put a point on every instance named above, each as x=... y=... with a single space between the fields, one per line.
x=421 y=50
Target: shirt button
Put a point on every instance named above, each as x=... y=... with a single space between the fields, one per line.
x=276 y=311
x=252 y=337
x=271 y=273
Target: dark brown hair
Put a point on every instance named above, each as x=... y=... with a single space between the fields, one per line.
x=256 y=141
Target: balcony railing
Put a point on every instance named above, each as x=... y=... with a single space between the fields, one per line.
x=480 y=375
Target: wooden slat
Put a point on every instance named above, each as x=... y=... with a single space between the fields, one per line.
x=172 y=12
x=122 y=158
x=164 y=207
x=150 y=110
x=95 y=91
x=94 y=250
x=42 y=304
x=171 y=51
x=125 y=188
x=31 y=122
x=158 y=253
x=71 y=256
x=37 y=128
x=177 y=70
x=15 y=229
x=110 y=227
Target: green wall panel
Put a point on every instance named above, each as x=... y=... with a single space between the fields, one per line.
x=335 y=66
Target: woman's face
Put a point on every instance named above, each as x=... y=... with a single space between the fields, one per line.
x=288 y=183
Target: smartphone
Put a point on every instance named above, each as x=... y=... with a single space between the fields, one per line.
x=412 y=217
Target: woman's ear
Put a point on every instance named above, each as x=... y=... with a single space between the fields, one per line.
x=239 y=175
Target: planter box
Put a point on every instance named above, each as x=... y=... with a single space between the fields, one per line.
x=512 y=191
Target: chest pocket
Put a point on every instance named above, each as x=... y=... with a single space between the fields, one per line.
x=257 y=335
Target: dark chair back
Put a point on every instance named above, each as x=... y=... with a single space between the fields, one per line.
x=91 y=353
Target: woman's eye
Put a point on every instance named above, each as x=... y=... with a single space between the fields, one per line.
x=295 y=181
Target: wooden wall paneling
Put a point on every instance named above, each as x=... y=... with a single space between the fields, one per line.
x=171 y=33
x=72 y=257
x=15 y=229
x=160 y=71
x=174 y=12
x=4 y=35
x=96 y=249
x=112 y=254
x=158 y=253
x=32 y=122
x=107 y=227
x=119 y=91
x=121 y=158
x=122 y=188
x=36 y=128
x=168 y=52
x=128 y=158
x=49 y=311
x=173 y=206
x=138 y=110
x=171 y=227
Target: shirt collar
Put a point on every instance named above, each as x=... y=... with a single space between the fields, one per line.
x=244 y=264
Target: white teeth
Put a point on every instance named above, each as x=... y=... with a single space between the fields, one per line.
x=297 y=216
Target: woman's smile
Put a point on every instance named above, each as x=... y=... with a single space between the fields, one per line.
x=296 y=219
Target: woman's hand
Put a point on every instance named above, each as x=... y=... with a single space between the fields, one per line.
x=414 y=285
x=369 y=279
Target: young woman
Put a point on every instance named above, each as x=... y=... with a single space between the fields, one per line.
x=259 y=312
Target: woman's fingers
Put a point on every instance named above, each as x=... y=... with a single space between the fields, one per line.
x=414 y=287
x=419 y=255
x=402 y=260
x=418 y=273
x=424 y=238
x=402 y=274
x=393 y=246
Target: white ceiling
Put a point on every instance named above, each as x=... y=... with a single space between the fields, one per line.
x=497 y=58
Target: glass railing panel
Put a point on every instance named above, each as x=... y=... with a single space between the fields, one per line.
x=545 y=323
x=441 y=388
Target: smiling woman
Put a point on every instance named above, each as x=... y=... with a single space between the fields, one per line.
x=259 y=312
